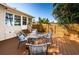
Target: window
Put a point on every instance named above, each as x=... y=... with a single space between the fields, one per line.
x=17 y=20
x=24 y=20
x=9 y=19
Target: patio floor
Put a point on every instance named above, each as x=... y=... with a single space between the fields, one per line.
x=59 y=46
x=66 y=46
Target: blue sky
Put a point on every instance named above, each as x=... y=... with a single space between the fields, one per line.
x=35 y=9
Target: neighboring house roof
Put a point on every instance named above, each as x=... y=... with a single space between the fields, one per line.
x=5 y=5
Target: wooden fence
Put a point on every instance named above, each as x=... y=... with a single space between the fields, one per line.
x=57 y=30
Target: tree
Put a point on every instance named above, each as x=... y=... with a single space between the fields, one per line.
x=43 y=20
x=47 y=21
x=66 y=13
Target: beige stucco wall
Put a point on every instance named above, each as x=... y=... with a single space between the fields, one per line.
x=7 y=32
x=2 y=28
x=12 y=30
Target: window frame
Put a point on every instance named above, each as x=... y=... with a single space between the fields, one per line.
x=9 y=17
x=16 y=20
x=24 y=21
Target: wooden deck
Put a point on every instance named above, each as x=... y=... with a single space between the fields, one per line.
x=59 y=46
x=66 y=46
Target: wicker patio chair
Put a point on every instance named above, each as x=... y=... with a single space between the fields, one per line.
x=22 y=38
x=40 y=49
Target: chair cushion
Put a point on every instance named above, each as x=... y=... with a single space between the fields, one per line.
x=34 y=31
x=22 y=37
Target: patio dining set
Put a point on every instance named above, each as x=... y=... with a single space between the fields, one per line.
x=37 y=42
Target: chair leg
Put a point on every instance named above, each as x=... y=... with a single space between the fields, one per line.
x=18 y=45
x=29 y=52
x=47 y=50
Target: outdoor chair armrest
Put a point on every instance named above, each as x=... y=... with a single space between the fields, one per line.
x=28 y=44
x=48 y=43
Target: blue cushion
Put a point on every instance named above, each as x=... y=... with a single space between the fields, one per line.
x=22 y=37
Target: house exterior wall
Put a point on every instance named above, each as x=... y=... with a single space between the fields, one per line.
x=7 y=32
x=12 y=30
x=2 y=28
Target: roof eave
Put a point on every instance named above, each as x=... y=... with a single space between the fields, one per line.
x=16 y=10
